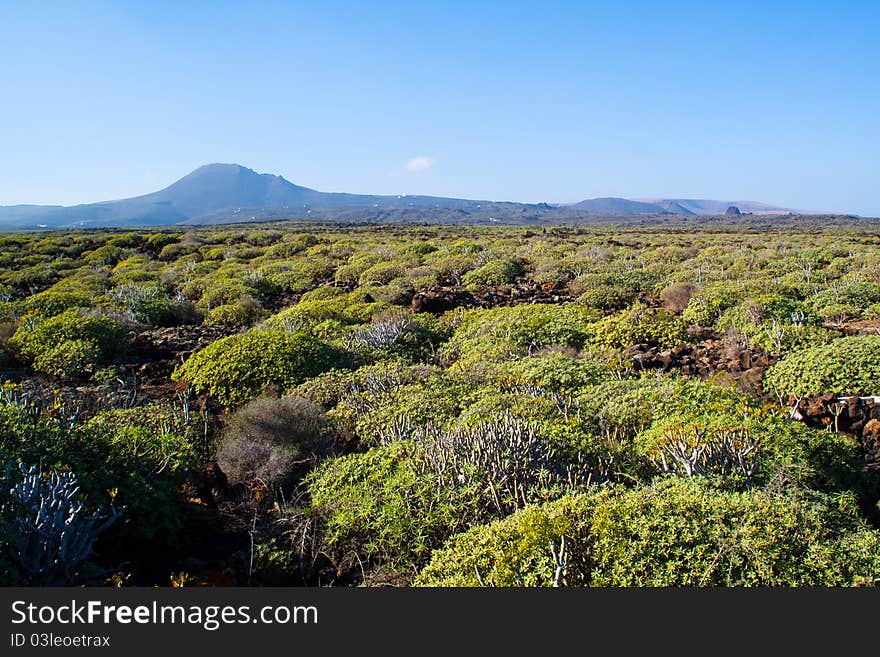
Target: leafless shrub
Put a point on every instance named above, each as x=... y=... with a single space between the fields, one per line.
x=734 y=342
x=294 y=324
x=368 y=394
x=506 y=457
x=693 y=451
x=274 y=441
x=677 y=296
x=380 y=334
x=52 y=532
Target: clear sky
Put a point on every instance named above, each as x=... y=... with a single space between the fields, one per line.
x=528 y=101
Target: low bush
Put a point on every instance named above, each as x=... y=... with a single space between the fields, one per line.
x=500 y=333
x=274 y=441
x=847 y=366
x=493 y=274
x=640 y=324
x=123 y=464
x=244 y=312
x=377 y=508
x=439 y=482
x=238 y=367
x=677 y=532
x=68 y=343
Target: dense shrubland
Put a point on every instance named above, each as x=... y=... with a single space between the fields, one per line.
x=283 y=404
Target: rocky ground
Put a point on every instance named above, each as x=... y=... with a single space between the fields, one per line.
x=857 y=416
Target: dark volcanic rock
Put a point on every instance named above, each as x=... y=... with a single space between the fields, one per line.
x=439 y=300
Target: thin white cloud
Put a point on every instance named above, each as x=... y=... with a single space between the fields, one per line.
x=419 y=163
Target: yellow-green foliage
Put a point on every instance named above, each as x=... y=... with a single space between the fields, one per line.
x=518 y=330
x=638 y=325
x=65 y=344
x=244 y=312
x=772 y=501
x=677 y=532
x=492 y=274
x=848 y=366
x=235 y=368
x=376 y=507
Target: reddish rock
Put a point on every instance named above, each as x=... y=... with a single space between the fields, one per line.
x=871 y=432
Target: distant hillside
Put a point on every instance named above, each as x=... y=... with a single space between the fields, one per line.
x=230 y=193
x=13 y=213
x=711 y=207
x=215 y=192
x=612 y=205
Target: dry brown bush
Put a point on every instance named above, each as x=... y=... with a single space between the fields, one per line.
x=274 y=441
x=676 y=297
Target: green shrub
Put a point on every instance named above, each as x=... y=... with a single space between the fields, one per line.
x=136 y=269
x=554 y=373
x=147 y=303
x=451 y=267
x=67 y=359
x=756 y=447
x=640 y=324
x=434 y=401
x=54 y=302
x=515 y=551
x=848 y=366
x=336 y=386
x=312 y=311
x=161 y=432
x=772 y=323
x=222 y=292
x=244 y=312
x=844 y=302
x=498 y=333
x=605 y=297
x=381 y=273
x=625 y=408
x=466 y=473
x=103 y=255
x=349 y=273
x=677 y=532
x=377 y=508
x=706 y=306
x=68 y=343
x=397 y=335
x=108 y=463
x=235 y=368
x=157 y=241
x=295 y=276
x=493 y=274
x=611 y=291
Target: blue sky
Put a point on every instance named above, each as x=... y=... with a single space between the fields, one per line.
x=529 y=101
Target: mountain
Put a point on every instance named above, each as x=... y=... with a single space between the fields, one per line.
x=687 y=206
x=212 y=194
x=612 y=205
x=698 y=206
x=10 y=213
x=225 y=193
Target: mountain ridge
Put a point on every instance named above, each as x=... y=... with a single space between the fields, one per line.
x=223 y=193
